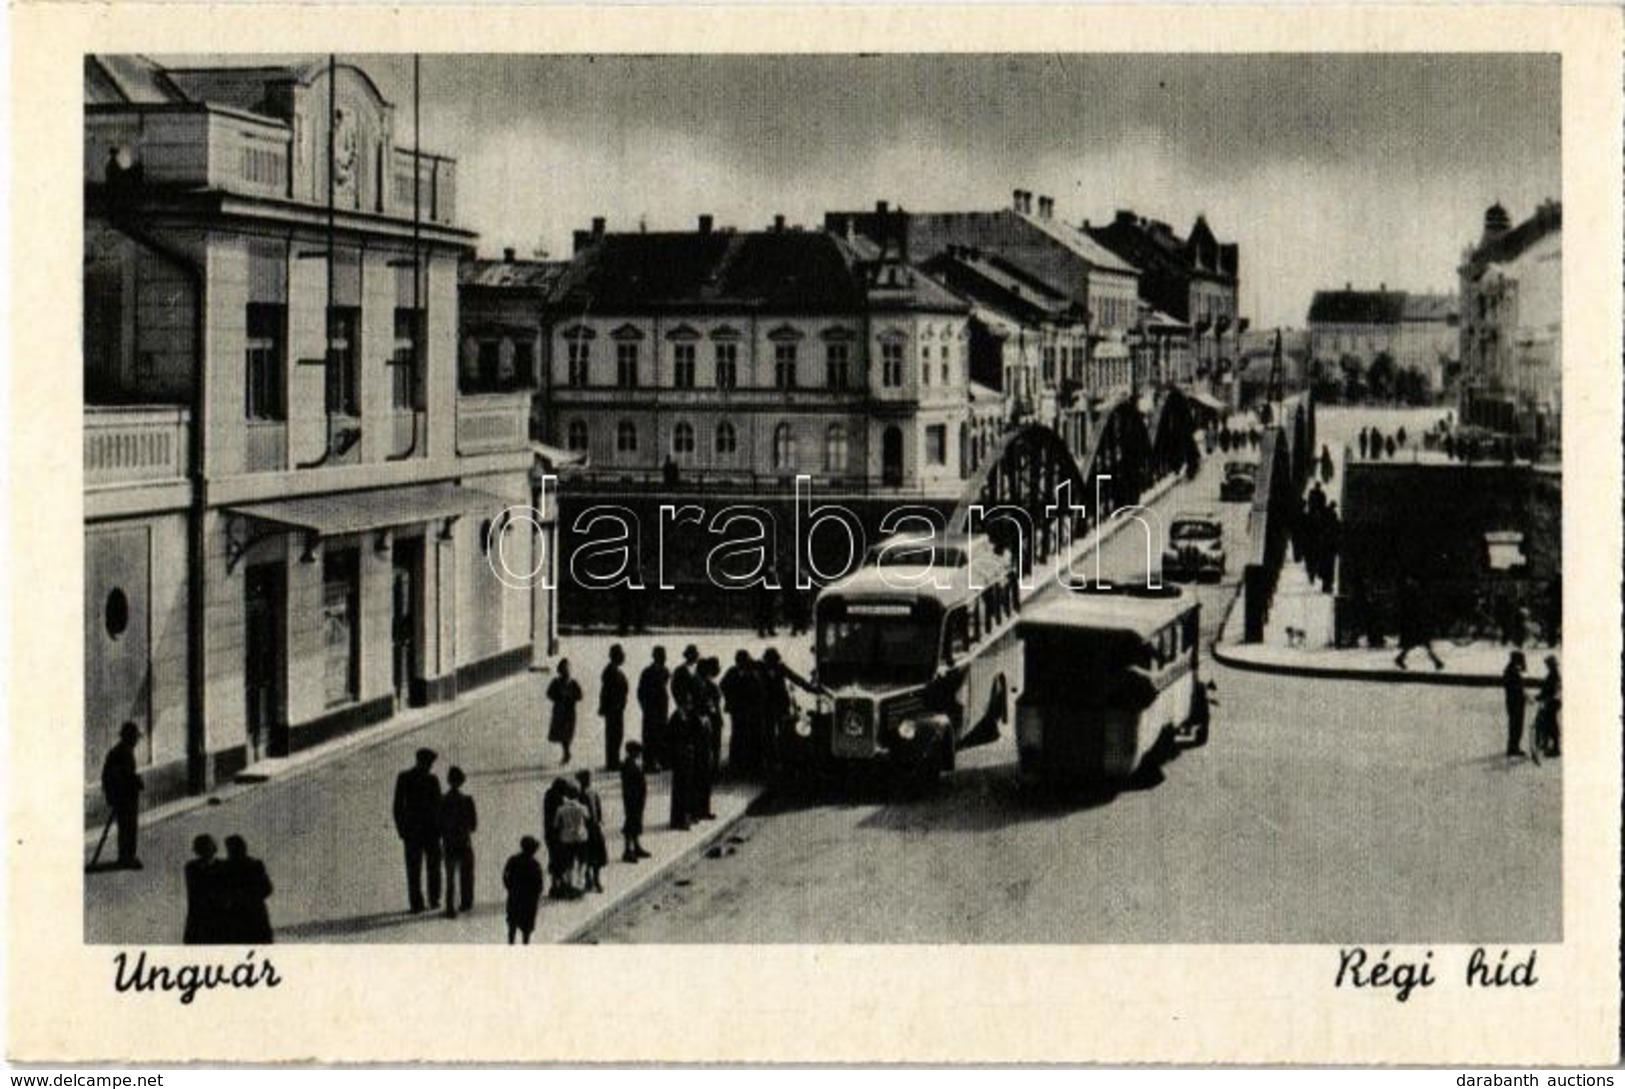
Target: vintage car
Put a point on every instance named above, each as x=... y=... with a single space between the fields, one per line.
x=1239 y=477
x=1195 y=547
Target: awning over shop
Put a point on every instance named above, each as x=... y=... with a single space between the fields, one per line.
x=344 y=513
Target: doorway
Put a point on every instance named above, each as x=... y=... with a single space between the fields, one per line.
x=891 y=456
x=265 y=596
x=406 y=608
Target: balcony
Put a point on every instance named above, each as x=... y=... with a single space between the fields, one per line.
x=493 y=423
x=437 y=186
x=135 y=445
x=193 y=147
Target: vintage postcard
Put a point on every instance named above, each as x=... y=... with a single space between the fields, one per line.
x=878 y=534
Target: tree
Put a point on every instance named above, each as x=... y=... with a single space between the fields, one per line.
x=1380 y=376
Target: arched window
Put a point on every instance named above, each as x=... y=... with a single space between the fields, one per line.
x=727 y=438
x=626 y=437
x=835 y=449
x=682 y=438
x=577 y=437
x=784 y=447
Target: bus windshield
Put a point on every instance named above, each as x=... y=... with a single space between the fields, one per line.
x=1194 y=531
x=888 y=649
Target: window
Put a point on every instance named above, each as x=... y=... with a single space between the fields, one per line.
x=577 y=437
x=947 y=364
x=784 y=447
x=727 y=438
x=925 y=364
x=891 y=364
x=490 y=365
x=341 y=631
x=343 y=361
x=524 y=364
x=837 y=365
x=682 y=439
x=727 y=366
x=936 y=444
x=682 y=374
x=1049 y=363
x=626 y=437
x=835 y=449
x=403 y=369
x=266 y=323
x=626 y=365
x=580 y=355
x=784 y=366
x=116 y=613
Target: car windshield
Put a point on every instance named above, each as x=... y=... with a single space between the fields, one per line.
x=1194 y=531
x=1239 y=468
x=917 y=555
x=876 y=650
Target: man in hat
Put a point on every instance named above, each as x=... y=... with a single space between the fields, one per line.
x=683 y=678
x=655 y=703
x=1512 y=689
x=417 y=822
x=612 y=693
x=122 y=787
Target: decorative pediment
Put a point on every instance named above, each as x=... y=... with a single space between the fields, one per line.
x=785 y=334
x=726 y=332
x=683 y=332
x=580 y=332
x=892 y=335
x=627 y=332
x=839 y=335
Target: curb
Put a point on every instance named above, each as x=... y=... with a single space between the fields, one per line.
x=646 y=879
x=1223 y=654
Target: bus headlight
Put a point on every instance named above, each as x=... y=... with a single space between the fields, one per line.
x=907 y=730
x=803 y=727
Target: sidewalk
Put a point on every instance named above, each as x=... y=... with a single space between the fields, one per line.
x=1473 y=665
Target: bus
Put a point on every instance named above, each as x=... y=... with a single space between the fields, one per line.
x=1111 y=681
x=916 y=658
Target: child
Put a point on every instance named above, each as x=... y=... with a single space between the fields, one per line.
x=593 y=851
x=522 y=877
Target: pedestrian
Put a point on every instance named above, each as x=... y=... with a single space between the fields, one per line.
x=594 y=852
x=246 y=886
x=682 y=678
x=1512 y=690
x=522 y=878
x=655 y=703
x=205 y=896
x=763 y=599
x=1365 y=442
x=776 y=704
x=557 y=863
x=1415 y=627
x=1549 y=701
x=1376 y=445
x=121 y=789
x=1450 y=447
x=612 y=693
x=572 y=828
x=682 y=748
x=1388 y=447
x=564 y=693
x=709 y=706
x=742 y=692
x=1399 y=436
x=1331 y=529
x=634 y=795
x=1325 y=465
x=458 y=823
x=417 y=822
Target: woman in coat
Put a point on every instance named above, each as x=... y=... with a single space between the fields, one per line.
x=595 y=853
x=247 y=887
x=564 y=693
x=205 y=906
x=522 y=877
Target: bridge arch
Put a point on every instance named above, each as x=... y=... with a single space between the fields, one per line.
x=1173 y=430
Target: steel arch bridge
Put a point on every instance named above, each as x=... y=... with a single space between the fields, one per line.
x=1033 y=498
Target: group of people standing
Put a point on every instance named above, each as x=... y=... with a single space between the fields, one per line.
x=437 y=830
x=1316 y=535
x=1374 y=444
x=1547 y=740
x=225 y=897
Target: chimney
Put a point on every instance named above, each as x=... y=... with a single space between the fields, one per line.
x=705 y=223
x=1046 y=207
x=778 y=223
x=598 y=225
x=1015 y=199
x=1382 y=287
x=508 y=254
x=1127 y=216
x=881 y=207
x=1348 y=286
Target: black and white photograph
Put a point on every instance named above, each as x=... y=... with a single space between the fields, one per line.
x=929 y=500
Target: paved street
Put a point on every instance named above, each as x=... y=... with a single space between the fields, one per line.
x=1320 y=811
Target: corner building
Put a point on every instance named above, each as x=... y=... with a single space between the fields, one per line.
x=287 y=497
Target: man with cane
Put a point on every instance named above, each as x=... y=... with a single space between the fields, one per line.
x=121 y=787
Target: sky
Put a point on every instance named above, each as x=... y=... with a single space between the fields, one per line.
x=1327 y=169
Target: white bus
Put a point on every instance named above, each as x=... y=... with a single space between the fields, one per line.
x=916 y=657
x=1111 y=679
